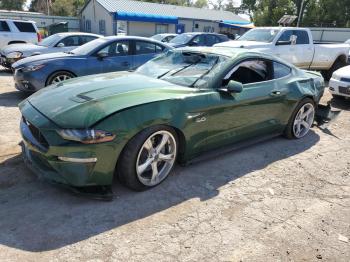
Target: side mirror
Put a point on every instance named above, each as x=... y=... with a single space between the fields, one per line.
x=232 y=87
x=192 y=44
x=293 y=39
x=60 y=45
x=102 y=54
x=283 y=42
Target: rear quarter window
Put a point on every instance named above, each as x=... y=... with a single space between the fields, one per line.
x=25 y=27
x=4 y=27
x=280 y=70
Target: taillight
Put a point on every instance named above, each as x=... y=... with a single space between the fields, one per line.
x=39 y=37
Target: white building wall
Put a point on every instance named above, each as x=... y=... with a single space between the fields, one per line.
x=94 y=12
x=190 y=25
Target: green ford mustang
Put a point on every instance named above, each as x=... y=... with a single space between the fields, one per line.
x=135 y=125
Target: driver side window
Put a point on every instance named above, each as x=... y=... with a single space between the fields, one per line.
x=199 y=40
x=285 y=37
x=120 y=48
x=250 y=71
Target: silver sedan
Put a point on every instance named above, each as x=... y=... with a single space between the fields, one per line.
x=60 y=42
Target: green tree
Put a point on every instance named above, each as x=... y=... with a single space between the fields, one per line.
x=201 y=3
x=12 y=4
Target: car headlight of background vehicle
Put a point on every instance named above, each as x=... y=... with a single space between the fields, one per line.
x=86 y=136
x=32 y=68
x=14 y=55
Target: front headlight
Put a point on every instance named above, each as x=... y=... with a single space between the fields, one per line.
x=32 y=68
x=14 y=55
x=86 y=136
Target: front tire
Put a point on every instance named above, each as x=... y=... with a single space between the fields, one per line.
x=59 y=77
x=148 y=158
x=301 y=120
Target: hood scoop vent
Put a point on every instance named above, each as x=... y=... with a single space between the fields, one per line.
x=81 y=98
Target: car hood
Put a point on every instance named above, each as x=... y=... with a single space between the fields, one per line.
x=40 y=58
x=22 y=48
x=81 y=102
x=177 y=45
x=343 y=72
x=243 y=44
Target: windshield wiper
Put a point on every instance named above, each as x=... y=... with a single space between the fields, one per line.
x=181 y=69
x=205 y=73
x=69 y=52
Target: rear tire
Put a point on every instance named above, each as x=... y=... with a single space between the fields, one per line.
x=59 y=76
x=297 y=119
x=327 y=75
x=148 y=158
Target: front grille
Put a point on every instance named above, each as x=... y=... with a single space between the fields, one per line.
x=344 y=90
x=36 y=133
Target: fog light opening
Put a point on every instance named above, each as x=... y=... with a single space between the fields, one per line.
x=78 y=160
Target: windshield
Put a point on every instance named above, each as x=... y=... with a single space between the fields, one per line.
x=51 y=40
x=88 y=47
x=184 y=68
x=157 y=37
x=181 y=39
x=259 y=35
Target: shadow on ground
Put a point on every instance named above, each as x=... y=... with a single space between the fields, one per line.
x=341 y=103
x=12 y=99
x=36 y=216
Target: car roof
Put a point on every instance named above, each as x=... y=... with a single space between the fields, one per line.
x=147 y=39
x=17 y=20
x=78 y=33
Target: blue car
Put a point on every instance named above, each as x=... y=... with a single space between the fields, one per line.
x=102 y=55
x=197 y=39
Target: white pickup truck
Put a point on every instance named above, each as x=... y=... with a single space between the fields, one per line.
x=296 y=46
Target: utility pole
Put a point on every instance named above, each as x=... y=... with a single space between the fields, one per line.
x=300 y=11
x=48 y=6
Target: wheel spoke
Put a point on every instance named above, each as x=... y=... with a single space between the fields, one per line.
x=307 y=113
x=167 y=157
x=148 y=145
x=154 y=171
x=141 y=168
x=162 y=143
x=305 y=124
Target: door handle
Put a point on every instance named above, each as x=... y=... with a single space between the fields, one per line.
x=125 y=63
x=276 y=93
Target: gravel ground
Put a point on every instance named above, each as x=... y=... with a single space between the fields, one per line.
x=279 y=200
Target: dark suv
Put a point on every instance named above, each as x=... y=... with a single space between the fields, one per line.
x=197 y=39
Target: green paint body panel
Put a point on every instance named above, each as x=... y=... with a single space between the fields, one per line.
x=125 y=103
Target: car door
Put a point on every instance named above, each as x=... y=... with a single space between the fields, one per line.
x=285 y=48
x=144 y=51
x=116 y=58
x=256 y=111
x=303 y=48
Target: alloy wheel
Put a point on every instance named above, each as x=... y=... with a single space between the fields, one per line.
x=156 y=158
x=60 y=78
x=303 y=120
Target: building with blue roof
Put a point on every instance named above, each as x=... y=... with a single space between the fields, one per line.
x=127 y=17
